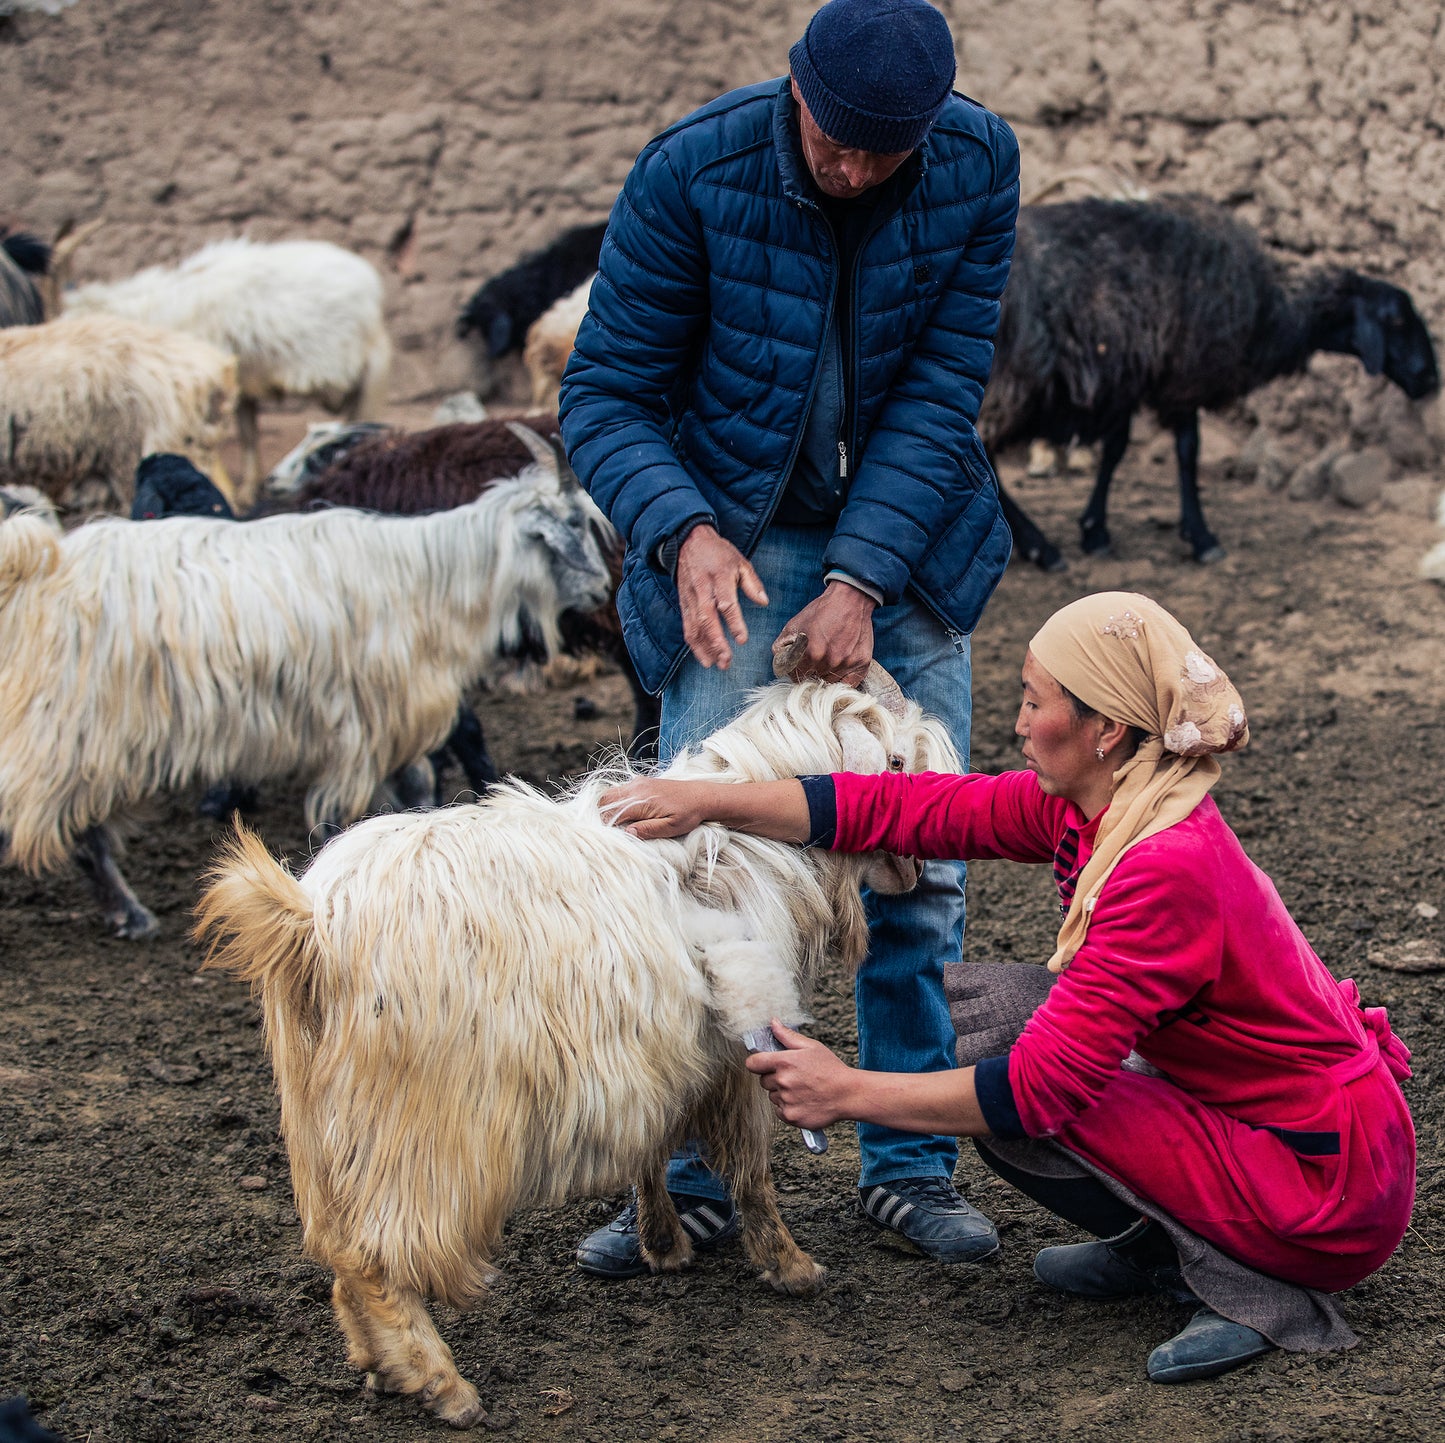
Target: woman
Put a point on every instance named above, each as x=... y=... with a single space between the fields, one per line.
x=1266 y=1116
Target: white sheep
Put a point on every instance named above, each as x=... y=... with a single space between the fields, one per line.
x=302 y=318
x=503 y=1005
x=550 y=340
x=82 y=399
x=137 y=657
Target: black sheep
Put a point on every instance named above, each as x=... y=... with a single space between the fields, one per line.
x=505 y=306
x=1175 y=305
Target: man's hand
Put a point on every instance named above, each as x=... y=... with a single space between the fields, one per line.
x=839 y=628
x=710 y=571
x=809 y=1085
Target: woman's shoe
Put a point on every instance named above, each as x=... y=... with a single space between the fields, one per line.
x=1139 y=1260
x=1209 y=1345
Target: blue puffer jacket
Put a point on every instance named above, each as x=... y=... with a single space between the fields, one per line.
x=688 y=391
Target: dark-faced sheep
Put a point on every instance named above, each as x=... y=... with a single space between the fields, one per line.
x=1174 y=305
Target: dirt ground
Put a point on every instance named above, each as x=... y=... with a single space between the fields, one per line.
x=152 y=1286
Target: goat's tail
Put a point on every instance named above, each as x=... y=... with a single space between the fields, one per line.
x=29 y=547
x=258 y=924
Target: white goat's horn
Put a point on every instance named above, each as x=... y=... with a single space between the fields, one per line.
x=788 y=651
x=540 y=451
x=566 y=476
x=884 y=690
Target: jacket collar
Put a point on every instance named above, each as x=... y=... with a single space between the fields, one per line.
x=793 y=169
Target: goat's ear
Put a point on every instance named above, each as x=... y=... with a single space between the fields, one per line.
x=862 y=751
x=1368 y=337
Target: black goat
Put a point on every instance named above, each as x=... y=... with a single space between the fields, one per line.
x=505 y=306
x=22 y=258
x=1175 y=305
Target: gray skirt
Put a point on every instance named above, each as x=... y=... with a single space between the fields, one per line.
x=990 y=1003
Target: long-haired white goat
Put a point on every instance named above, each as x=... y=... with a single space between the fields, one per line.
x=82 y=399
x=503 y=1005
x=332 y=647
x=302 y=318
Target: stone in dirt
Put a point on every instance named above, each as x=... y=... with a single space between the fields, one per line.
x=1310 y=480
x=1417 y=956
x=1358 y=479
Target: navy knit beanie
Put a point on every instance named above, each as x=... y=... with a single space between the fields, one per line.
x=875 y=73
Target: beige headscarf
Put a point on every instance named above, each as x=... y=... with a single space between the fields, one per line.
x=1127 y=658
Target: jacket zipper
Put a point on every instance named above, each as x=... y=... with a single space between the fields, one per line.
x=777 y=498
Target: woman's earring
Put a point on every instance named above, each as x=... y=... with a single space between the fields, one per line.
x=1099 y=752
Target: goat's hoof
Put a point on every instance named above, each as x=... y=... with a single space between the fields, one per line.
x=454 y=1401
x=1097 y=543
x=1207 y=554
x=674 y=1260
x=804 y=1279
x=136 y=924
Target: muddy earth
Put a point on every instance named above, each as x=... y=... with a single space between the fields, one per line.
x=152 y=1286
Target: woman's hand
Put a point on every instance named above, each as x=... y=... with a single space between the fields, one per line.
x=809 y=1085
x=653 y=807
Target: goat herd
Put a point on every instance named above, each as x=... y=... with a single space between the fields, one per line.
x=476 y=1009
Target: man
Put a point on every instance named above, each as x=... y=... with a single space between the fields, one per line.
x=773 y=397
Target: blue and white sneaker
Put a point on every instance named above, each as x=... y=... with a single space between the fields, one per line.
x=929 y=1215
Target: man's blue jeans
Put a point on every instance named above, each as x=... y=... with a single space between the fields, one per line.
x=903 y=1021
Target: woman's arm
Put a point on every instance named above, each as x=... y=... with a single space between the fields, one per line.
x=654 y=807
x=811 y=1087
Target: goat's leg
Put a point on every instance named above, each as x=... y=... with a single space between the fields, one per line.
x=248 y=430
x=666 y=1247
x=227 y=797
x=468 y=744
x=1094 y=523
x=95 y=856
x=1201 y=539
x=1029 y=541
x=415 y=786
x=390 y=1334
x=738 y=1128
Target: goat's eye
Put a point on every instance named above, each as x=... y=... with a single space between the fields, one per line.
x=895 y=763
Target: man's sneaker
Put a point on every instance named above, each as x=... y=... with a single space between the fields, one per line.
x=1209 y=1345
x=615 y=1252
x=1139 y=1260
x=928 y=1213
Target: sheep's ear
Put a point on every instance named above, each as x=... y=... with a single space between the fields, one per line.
x=862 y=751
x=1368 y=337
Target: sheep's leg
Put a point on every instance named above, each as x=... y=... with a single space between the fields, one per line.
x=666 y=1247
x=1201 y=539
x=1029 y=541
x=95 y=857
x=738 y=1129
x=390 y=1334
x=248 y=429
x=1093 y=524
x=468 y=744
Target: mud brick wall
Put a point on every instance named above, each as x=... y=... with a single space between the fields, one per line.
x=443 y=138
